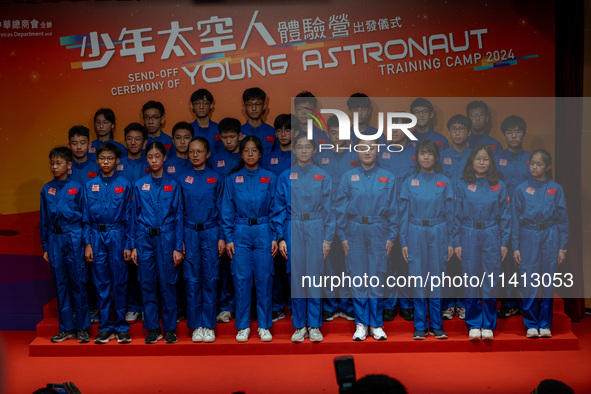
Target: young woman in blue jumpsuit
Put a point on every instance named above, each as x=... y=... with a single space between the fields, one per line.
x=366 y=216
x=304 y=194
x=158 y=243
x=250 y=232
x=202 y=192
x=539 y=234
x=426 y=229
x=104 y=125
x=481 y=236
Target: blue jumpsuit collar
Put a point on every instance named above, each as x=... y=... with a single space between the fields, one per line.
x=370 y=171
x=428 y=175
x=537 y=184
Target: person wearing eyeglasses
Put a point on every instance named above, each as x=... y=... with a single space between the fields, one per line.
x=104 y=127
x=254 y=102
x=202 y=105
x=153 y=116
x=478 y=113
x=423 y=110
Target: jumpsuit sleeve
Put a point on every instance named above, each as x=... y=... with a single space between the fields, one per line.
x=85 y=220
x=403 y=214
x=129 y=241
x=327 y=216
x=516 y=209
x=135 y=213
x=279 y=208
x=562 y=218
x=341 y=207
x=458 y=217
x=275 y=217
x=43 y=222
x=505 y=215
x=449 y=211
x=393 y=211
x=228 y=210
x=178 y=218
x=219 y=193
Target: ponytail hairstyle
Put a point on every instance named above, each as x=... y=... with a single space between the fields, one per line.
x=246 y=139
x=493 y=172
x=428 y=146
x=109 y=115
x=546 y=157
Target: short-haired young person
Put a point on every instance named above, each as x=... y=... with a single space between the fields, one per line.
x=153 y=116
x=477 y=112
x=82 y=168
x=254 y=102
x=202 y=104
x=423 y=110
x=182 y=134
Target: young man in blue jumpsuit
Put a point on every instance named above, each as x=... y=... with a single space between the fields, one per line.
x=153 y=116
x=223 y=162
x=254 y=102
x=107 y=238
x=305 y=103
x=477 y=112
x=336 y=162
x=202 y=192
x=104 y=124
x=453 y=161
x=423 y=110
x=513 y=165
x=402 y=165
x=61 y=240
x=360 y=104
x=366 y=219
x=182 y=134
x=202 y=103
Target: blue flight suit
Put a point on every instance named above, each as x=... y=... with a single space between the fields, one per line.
x=210 y=133
x=166 y=140
x=174 y=166
x=158 y=232
x=484 y=139
x=304 y=196
x=133 y=169
x=336 y=164
x=369 y=130
x=202 y=193
x=402 y=165
x=426 y=228
x=277 y=161
x=96 y=143
x=539 y=229
x=61 y=237
x=432 y=135
x=82 y=172
x=366 y=214
x=319 y=136
x=223 y=162
x=482 y=225
x=264 y=132
x=249 y=222
x=107 y=229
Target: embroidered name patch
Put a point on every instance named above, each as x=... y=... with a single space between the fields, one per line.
x=293 y=175
x=503 y=162
x=530 y=190
x=51 y=191
x=472 y=187
x=221 y=163
x=119 y=167
x=96 y=188
x=171 y=170
x=414 y=182
x=146 y=187
x=239 y=179
x=189 y=179
x=386 y=155
x=447 y=160
x=325 y=160
x=354 y=178
x=274 y=160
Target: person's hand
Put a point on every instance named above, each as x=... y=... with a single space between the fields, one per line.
x=389 y=245
x=517 y=256
x=88 y=253
x=345 y=248
x=450 y=252
x=283 y=249
x=134 y=255
x=177 y=257
x=405 y=253
x=325 y=249
x=504 y=252
x=71 y=388
x=561 y=256
x=230 y=249
x=458 y=252
x=127 y=255
x=45 y=256
x=274 y=248
x=221 y=247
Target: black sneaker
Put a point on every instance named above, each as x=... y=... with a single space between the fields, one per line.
x=349 y=316
x=83 y=336
x=506 y=312
x=171 y=337
x=407 y=314
x=419 y=335
x=95 y=317
x=277 y=315
x=123 y=337
x=438 y=333
x=104 y=337
x=328 y=316
x=388 y=314
x=154 y=336
x=63 y=336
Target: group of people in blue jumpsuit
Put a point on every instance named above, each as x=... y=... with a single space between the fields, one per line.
x=218 y=210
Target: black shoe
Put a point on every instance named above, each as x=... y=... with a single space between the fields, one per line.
x=95 y=317
x=438 y=333
x=506 y=312
x=407 y=314
x=277 y=315
x=154 y=336
x=123 y=337
x=328 y=316
x=349 y=316
x=63 y=336
x=388 y=314
x=83 y=336
x=171 y=337
x=104 y=337
x=419 y=335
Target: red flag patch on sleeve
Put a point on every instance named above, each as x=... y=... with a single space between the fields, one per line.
x=318 y=177
x=167 y=146
x=496 y=187
x=217 y=137
x=354 y=163
x=441 y=184
x=147 y=170
x=383 y=179
x=119 y=189
x=211 y=180
x=414 y=158
x=92 y=174
x=551 y=191
x=168 y=188
x=265 y=179
x=508 y=199
x=322 y=140
x=270 y=139
x=492 y=146
x=439 y=143
x=72 y=191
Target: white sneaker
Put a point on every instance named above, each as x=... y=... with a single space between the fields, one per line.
x=545 y=333
x=224 y=317
x=532 y=333
x=198 y=335
x=132 y=317
x=377 y=333
x=360 y=332
x=265 y=335
x=461 y=313
x=243 y=335
x=449 y=313
x=487 y=335
x=299 y=335
x=208 y=335
x=315 y=334
x=474 y=334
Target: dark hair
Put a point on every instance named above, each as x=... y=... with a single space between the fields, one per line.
x=229 y=124
x=253 y=94
x=514 y=121
x=202 y=94
x=156 y=145
x=461 y=119
x=136 y=127
x=61 y=151
x=108 y=114
x=378 y=384
x=333 y=121
x=246 y=139
x=300 y=136
x=546 y=157
x=359 y=100
x=476 y=104
x=183 y=126
x=79 y=130
x=305 y=97
x=287 y=121
x=551 y=386
x=154 y=105
x=421 y=102
x=204 y=141
x=493 y=172
x=108 y=147
x=428 y=146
